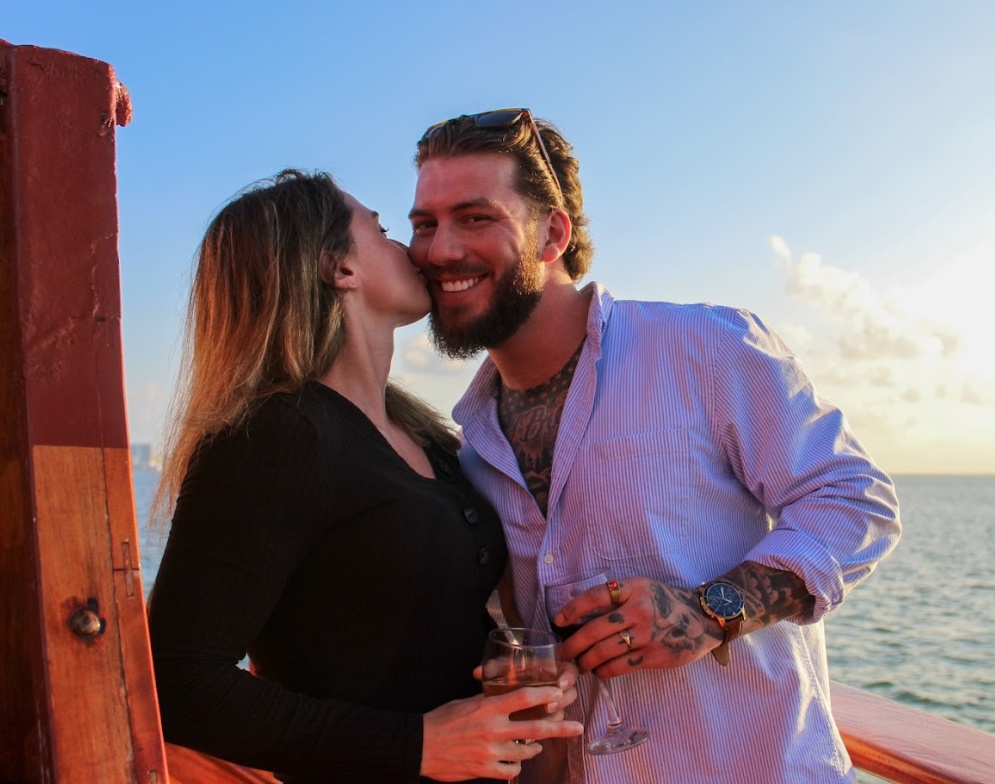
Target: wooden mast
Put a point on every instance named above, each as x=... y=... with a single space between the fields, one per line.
x=77 y=696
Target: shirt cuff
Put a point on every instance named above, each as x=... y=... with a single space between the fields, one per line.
x=795 y=551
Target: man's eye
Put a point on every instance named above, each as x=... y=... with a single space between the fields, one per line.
x=422 y=227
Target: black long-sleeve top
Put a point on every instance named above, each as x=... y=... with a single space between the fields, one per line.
x=356 y=585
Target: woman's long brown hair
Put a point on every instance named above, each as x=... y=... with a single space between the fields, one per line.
x=260 y=320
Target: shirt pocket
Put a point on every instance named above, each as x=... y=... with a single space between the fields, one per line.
x=636 y=494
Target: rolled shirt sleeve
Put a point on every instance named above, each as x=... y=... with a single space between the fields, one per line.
x=834 y=513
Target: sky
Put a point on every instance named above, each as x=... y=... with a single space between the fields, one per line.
x=830 y=166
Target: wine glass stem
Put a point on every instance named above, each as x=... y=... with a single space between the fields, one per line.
x=614 y=717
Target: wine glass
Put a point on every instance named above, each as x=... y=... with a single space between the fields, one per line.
x=516 y=657
x=618 y=735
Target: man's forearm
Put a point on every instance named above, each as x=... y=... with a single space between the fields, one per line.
x=771 y=594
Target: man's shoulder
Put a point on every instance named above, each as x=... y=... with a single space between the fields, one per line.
x=703 y=316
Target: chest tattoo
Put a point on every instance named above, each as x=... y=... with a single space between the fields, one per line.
x=530 y=420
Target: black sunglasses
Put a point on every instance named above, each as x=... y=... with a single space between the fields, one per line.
x=498 y=119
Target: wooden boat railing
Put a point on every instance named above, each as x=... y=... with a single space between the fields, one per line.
x=903 y=744
x=77 y=697
x=894 y=742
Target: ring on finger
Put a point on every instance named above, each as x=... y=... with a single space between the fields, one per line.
x=626 y=638
x=615 y=592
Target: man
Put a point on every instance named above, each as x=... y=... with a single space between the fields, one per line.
x=678 y=448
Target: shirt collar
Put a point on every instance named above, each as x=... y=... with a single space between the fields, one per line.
x=481 y=393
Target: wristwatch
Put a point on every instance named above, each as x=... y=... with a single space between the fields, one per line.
x=724 y=602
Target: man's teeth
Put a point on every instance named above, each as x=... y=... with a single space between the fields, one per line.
x=460 y=285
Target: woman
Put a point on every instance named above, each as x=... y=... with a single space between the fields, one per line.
x=322 y=523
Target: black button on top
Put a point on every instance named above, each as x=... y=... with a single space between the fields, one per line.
x=471 y=515
x=483 y=555
x=445 y=468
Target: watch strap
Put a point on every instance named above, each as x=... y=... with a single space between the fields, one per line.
x=731 y=628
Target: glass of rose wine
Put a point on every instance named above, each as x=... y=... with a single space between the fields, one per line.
x=618 y=735
x=516 y=657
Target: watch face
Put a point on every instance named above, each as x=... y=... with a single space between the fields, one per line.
x=724 y=599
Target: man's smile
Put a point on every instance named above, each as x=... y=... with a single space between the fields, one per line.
x=452 y=286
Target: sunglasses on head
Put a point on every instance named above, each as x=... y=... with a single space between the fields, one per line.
x=498 y=119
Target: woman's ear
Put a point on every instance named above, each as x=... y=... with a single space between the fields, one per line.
x=341 y=275
x=558 y=231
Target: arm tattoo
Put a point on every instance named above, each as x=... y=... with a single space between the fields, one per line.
x=771 y=594
x=681 y=626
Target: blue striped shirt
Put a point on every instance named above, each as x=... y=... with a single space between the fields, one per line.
x=691 y=440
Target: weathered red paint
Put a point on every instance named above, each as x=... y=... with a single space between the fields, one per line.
x=63 y=220
x=73 y=708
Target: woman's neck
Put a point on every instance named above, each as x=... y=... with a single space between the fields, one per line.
x=360 y=371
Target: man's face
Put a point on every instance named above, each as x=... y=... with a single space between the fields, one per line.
x=474 y=239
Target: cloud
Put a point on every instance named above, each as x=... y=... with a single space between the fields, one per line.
x=796 y=336
x=779 y=246
x=978 y=393
x=418 y=355
x=881 y=376
x=872 y=325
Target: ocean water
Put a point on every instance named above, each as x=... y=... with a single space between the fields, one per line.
x=920 y=630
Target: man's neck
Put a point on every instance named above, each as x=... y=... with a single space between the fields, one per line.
x=544 y=344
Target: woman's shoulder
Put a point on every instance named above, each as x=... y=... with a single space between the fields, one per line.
x=281 y=421
x=312 y=407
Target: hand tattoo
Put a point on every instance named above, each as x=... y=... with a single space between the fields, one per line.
x=678 y=624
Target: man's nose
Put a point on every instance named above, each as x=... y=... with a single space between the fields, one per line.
x=444 y=247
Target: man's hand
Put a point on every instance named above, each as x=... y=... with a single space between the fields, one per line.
x=665 y=624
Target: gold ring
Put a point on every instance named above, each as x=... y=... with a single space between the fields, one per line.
x=615 y=592
x=626 y=638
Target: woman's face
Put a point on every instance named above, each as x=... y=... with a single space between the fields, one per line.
x=390 y=283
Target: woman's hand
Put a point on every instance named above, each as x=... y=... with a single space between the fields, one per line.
x=474 y=738
x=566 y=681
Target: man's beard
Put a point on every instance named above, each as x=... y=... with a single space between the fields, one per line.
x=515 y=297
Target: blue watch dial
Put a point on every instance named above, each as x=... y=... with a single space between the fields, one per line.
x=724 y=599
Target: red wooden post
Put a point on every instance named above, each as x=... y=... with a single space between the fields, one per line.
x=77 y=696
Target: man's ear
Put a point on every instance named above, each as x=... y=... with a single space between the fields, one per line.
x=341 y=275
x=558 y=231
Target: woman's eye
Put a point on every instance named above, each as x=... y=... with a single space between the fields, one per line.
x=384 y=230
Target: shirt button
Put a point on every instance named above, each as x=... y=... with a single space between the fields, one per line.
x=548 y=558
x=445 y=468
x=471 y=515
x=483 y=555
